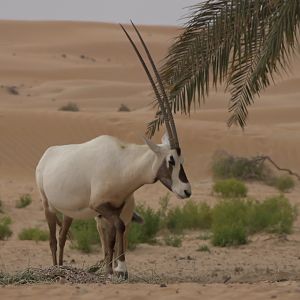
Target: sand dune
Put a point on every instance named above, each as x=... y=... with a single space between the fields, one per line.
x=45 y=65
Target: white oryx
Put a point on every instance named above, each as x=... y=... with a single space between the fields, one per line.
x=98 y=179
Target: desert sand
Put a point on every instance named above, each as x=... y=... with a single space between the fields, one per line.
x=45 y=65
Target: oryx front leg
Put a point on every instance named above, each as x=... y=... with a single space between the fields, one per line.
x=113 y=231
x=107 y=233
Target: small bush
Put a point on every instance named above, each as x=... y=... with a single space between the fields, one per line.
x=235 y=219
x=173 y=240
x=284 y=183
x=5 y=231
x=191 y=216
x=226 y=166
x=146 y=232
x=71 y=106
x=229 y=188
x=230 y=222
x=203 y=248
x=124 y=108
x=275 y=215
x=85 y=234
x=1 y=207
x=24 y=201
x=33 y=234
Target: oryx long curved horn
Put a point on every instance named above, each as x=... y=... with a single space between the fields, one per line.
x=158 y=96
x=162 y=89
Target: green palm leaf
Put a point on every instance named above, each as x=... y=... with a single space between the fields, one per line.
x=241 y=43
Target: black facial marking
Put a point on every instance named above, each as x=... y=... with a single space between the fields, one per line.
x=172 y=161
x=182 y=175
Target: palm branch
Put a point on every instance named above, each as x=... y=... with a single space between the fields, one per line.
x=241 y=43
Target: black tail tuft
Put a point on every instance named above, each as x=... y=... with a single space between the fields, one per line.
x=137 y=218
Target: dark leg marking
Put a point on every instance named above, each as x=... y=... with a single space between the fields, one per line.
x=63 y=236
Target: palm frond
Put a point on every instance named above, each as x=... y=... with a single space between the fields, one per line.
x=239 y=42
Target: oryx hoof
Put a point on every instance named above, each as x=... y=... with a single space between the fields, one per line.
x=121 y=270
x=121 y=275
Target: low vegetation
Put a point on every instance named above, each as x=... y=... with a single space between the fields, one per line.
x=34 y=234
x=71 y=106
x=124 y=108
x=1 y=207
x=225 y=166
x=284 y=183
x=235 y=219
x=228 y=223
x=173 y=240
x=84 y=235
x=203 y=248
x=24 y=201
x=5 y=231
x=230 y=188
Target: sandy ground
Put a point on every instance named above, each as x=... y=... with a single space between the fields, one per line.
x=45 y=65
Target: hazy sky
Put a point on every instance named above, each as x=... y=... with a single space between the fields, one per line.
x=140 y=11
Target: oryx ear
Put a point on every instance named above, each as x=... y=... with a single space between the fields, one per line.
x=155 y=148
x=165 y=139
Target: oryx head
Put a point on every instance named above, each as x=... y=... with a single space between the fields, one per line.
x=170 y=172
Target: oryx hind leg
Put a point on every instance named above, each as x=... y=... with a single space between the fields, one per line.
x=51 y=219
x=67 y=221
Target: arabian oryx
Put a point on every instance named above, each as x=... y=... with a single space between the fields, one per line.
x=98 y=179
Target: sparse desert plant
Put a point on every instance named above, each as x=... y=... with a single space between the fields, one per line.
x=284 y=183
x=146 y=232
x=124 y=108
x=5 y=231
x=203 y=248
x=24 y=201
x=205 y=236
x=229 y=225
x=1 y=207
x=275 y=215
x=235 y=219
x=71 y=106
x=33 y=234
x=84 y=234
x=173 y=240
x=226 y=166
x=228 y=188
x=191 y=216
x=13 y=90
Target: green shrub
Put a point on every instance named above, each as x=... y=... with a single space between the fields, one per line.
x=1 y=207
x=230 y=188
x=71 y=106
x=275 y=215
x=146 y=232
x=173 y=240
x=284 y=183
x=191 y=216
x=33 y=234
x=235 y=219
x=203 y=248
x=227 y=166
x=84 y=234
x=230 y=222
x=5 y=231
x=24 y=201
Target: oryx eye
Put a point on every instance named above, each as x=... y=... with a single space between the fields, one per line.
x=172 y=161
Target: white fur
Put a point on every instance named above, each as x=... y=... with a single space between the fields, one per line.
x=121 y=267
x=78 y=178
